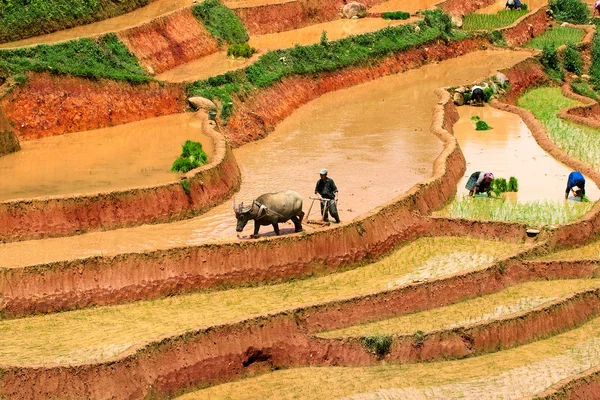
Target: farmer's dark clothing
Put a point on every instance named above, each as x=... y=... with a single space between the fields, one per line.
x=477 y=180
x=477 y=95
x=327 y=190
x=575 y=179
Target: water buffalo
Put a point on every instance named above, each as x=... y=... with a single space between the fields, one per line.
x=271 y=209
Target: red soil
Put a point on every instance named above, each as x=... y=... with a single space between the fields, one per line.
x=461 y=8
x=585 y=386
x=169 y=41
x=8 y=140
x=526 y=28
x=52 y=105
x=66 y=215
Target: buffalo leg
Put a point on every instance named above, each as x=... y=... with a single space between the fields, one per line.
x=256 y=228
x=297 y=223
x=301 y=216
x=276 y=228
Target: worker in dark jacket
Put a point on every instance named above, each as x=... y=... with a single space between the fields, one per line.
x=327 y=192
x=479 y=182
x=575 y=183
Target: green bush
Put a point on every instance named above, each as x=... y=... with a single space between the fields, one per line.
x=192 y=156
x=20 y=19
x=185 y=185
x=551 y=63
x=595 y=62
x=467 y=96
x=221 y=22
x=572 y=59
x=513 y=185
x=497 y=38
x=309 y=60
x=482 y=126
x=379 y=345
x=395 y=15
x=240 y=50
x=582 y=88
x=105 y=57
x=487 y=94
x=574 y=11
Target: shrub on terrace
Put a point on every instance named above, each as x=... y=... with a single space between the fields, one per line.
x=595 y=62
x=240 y=50
x=105 y=57
x=21 y=19
x=395 y=15
x=551 y=63
x=192 y=156
x=574 y=11
x=221 y=22
x=572 y=59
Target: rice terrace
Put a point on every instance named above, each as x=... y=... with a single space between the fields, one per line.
x=299 y=199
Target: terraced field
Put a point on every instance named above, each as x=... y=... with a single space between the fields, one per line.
x=122 y=279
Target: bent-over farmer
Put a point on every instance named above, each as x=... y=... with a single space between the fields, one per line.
x=575 y=183
x=477 y=96
x=479 y=182
x=327 y=192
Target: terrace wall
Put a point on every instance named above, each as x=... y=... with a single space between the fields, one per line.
x=8 y=139
x=526 y=28
x=66 y=215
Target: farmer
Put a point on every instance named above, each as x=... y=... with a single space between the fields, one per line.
x=477 y=94
x=479 y=182
x=513 y=4
x=597 y=7
x=576 y=184
x=327 y=193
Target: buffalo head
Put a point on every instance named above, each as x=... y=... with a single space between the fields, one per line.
x=242 y=214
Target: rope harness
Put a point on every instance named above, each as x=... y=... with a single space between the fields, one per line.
x=261 y=208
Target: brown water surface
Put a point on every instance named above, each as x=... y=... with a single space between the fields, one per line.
x=219 y=63
x=509 y=149
x=410 y=6
x=374 y=139
x=136 y=17
x=131 y=155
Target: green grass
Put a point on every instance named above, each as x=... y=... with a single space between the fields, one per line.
x=578 y=141
x=581 y=87
x=474 y=22
x=557 y=36
x=20 y=19
x=105 y=57
x=533 y=213
x=100 y=333
x=328 y=56
x=221 y=22
x=395 y=15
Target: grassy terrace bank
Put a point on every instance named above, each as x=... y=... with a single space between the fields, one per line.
x=557 y=36
x=21 y=19
x=516 y=299
x=322 y=57
x=590 y=251
x=515 y=373
x=473 y=22
x=95 y=334
x=578 y=141
x=533 y=213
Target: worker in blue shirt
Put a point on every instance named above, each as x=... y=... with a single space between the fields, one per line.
x=576 y=180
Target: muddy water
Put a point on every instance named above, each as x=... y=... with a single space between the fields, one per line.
x=410 y=6
x=374 y=138
x=499 y=5
x=219 y=63
x=131 y=155
x=136 y=17
x=510 y=150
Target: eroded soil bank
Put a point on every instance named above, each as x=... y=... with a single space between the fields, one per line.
x=509 y=149
x=385 y=114
x=52 y=105
x=126 y=156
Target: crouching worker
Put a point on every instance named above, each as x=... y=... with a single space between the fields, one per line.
x=480 y=182
x=477 y=97
x=575 y=184
x=327 y=192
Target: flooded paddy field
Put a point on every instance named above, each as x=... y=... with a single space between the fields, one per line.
x=125 y=156
x=373 y=138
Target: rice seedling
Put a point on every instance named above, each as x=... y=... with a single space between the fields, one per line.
x=499 y=209
x=474 y=22
x=513 y=373
x=574 y=11
x=519 y=298
x=240 y=50
x=482 y=126
x=578 y=141
x=513 y=184
x=557 y=36
x=192 y=156
x=581 y=87
x=72 y=337
x=395 y=15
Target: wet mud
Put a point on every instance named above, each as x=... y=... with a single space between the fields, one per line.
x=205 y=67
x=509 y=149
x=126 y=156
x=373 y=130
x=155 y=9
